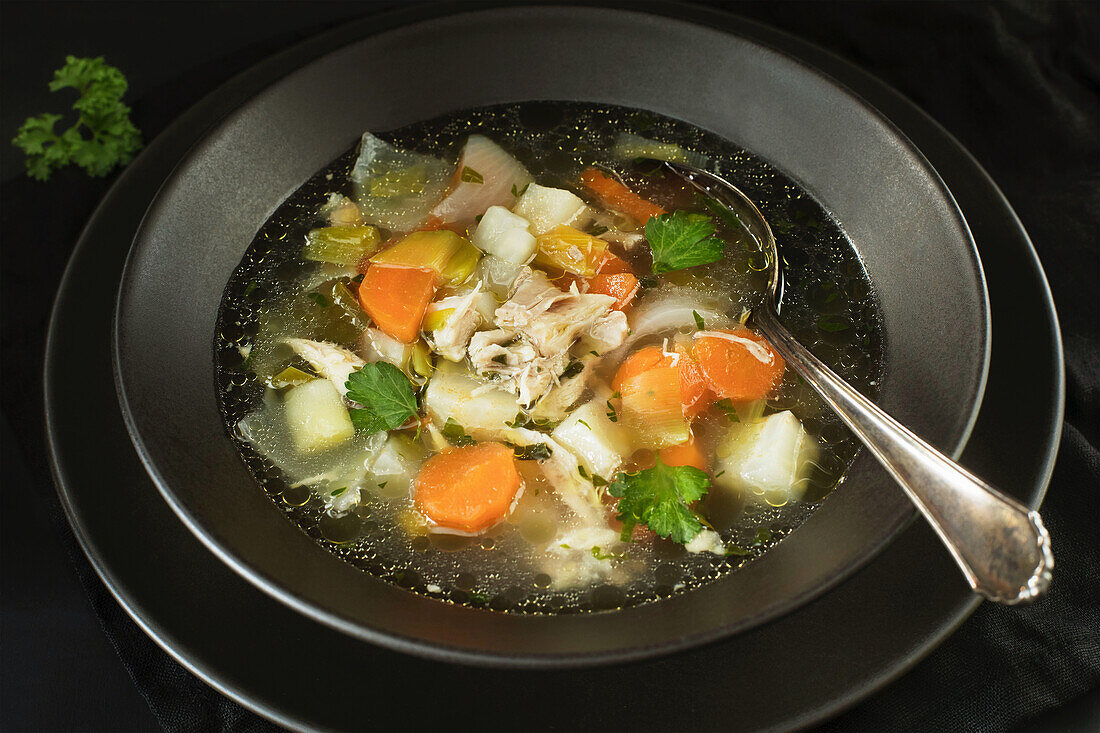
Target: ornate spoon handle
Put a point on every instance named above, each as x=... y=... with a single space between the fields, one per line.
x=1001 y=546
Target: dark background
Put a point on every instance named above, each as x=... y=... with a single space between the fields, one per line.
x=1019 y=85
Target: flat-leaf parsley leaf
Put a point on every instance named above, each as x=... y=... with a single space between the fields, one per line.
x=385 y=394
x=659 y=497
x=682 y=239
x=102 y=137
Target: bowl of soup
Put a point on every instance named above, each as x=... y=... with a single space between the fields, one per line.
x=457 y=369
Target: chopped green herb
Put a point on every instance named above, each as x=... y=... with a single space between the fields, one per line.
x=521 y=191
x=501 y=358
x=250 y=288
x=699 y=322
x=582 y=422
x=762 y=535
x=601 y=555
x=533 y=452
x=728 y=409
x=582 y=472
x=477 y=219
x=337 y=492
x=319 y=299
x=597 y=230
x=719 y=473
x=478 y=597
x=594 y=353
x=469 y=175
x=598 y=480
x=660 y=497
x=383 y=484
x=612 y=414
x=732 y=549
x=681 y=239
x=385 y=394
x=574 y=368
x=567 y=547
x=832 y=324
x=649 y=282
x=111 y=137
x=456 y=434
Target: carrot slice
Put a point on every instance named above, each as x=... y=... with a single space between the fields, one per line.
x=612 y=265
x=396 y=298
x=695 y=393
x=640 y=361
x=468 y=489
x=617 y=196
x=737 y=370
x=622 y=287
x=685 y=454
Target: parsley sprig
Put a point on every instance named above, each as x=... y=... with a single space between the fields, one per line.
x=660 y=498
x=102 y=137
x=682 y=239
x=385 y=394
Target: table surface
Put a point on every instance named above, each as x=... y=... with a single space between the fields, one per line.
x=1016 y=83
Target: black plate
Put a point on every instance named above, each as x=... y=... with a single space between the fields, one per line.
x=901 y=219
x=796 y=670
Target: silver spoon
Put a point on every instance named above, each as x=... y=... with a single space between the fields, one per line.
x=1001 y=546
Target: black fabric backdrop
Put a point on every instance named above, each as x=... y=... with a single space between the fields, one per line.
x=1019 y=85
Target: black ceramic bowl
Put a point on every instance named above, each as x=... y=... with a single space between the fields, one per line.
x=900 y=217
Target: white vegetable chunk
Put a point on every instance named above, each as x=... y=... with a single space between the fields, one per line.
x=487 y=175
x=498 y=275
x=547 y=208
x=706 y=541
x=316 y=416
x=600 y=444
x=396 y=188
x=505 y=235
x=767 y=458
x=483 y=410
x=395 y=467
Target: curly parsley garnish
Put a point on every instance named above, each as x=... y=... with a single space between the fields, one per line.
x=102 y=137
x=682 y=239
x=386 y=396
x=660 y=498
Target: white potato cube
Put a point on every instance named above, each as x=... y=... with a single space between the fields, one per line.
x=547 y=208
x=483 y=410
x=505 y=235
x=768 y=458
x=598 y=443
x=317 y=417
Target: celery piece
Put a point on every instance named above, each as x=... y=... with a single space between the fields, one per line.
x=421 y=361
x=432 y=250
x=569 y=249
x=652 y=409
x=462 y=264
x=290 y=377
x=341 y=245
x=437 y=319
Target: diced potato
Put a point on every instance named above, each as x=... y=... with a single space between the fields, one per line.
x=341 y=245
x=601 y=445
x=569 y=249
x=505 y=235
x=317 y=417
x=395 y=466
x=547 y=208
x=768 y=458
x=451 y=396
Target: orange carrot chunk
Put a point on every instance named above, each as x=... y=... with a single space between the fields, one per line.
x=617 y=196
x=468 y=489
x=737 y=370
x=685 y=454
x=695 y=393
x=622 y=287
x=396 y=298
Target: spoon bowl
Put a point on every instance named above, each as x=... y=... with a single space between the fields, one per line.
x=1000 y=545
